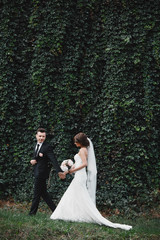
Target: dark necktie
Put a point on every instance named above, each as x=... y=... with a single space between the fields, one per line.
x=37 y=150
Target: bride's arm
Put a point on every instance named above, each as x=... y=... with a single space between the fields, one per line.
x=83 y=155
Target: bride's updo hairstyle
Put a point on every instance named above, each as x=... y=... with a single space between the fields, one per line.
x=81 y=138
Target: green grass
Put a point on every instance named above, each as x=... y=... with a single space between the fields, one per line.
x=16 y=224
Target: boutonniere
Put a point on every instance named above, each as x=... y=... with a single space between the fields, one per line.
x=41 y=154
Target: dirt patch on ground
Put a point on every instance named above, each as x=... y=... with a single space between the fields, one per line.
x=153 y=213
x=6 y=203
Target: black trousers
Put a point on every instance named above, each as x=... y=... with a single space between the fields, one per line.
x=40 y=190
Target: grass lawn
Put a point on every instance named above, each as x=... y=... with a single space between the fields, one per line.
x=16 y=224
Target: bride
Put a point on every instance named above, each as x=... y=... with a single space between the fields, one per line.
x=78 y=202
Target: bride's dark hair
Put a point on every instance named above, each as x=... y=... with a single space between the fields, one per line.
x=82 y=139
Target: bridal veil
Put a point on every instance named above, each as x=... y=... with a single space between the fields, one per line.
x=92 y=172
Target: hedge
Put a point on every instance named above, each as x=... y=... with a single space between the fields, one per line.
x=91 y=66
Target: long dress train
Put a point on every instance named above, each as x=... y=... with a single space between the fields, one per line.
x=76 y=204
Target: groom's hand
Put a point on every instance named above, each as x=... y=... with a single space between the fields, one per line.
x=33 y=162
x=62 y=175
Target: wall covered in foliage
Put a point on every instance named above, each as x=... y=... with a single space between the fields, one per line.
x=91 y=66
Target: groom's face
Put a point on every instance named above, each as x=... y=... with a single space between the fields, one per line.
x=40 y=136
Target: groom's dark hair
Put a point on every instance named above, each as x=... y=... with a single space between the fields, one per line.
x=42 y=130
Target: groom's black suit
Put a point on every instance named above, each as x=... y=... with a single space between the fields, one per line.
x=42 y=168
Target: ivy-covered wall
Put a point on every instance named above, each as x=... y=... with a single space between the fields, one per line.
x=91 y=66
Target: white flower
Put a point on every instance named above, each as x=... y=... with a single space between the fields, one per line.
x=64 y=168
x=70 y=163
x=66 y=164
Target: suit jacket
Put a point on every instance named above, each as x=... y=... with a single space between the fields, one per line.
x=44 y=159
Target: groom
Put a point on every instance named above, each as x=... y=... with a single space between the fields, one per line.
x=43 y=154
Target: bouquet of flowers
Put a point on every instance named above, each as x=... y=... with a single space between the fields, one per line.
x=66 y=165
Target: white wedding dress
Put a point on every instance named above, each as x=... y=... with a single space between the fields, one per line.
x=76 y=204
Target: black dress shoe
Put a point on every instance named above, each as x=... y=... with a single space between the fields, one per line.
x=31 y=214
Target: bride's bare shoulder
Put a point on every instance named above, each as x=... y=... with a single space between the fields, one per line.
x=83 y=150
